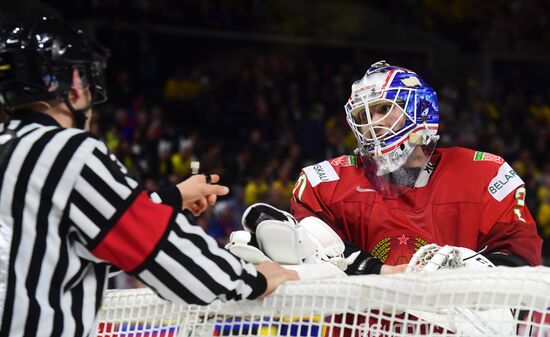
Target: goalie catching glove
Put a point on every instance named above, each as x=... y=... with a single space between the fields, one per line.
x=461 y=321
x=273 y=234
x=433 y=257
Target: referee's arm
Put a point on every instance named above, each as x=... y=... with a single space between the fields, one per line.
x=120 y=224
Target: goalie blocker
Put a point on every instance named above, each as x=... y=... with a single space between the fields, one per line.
x=273 y=234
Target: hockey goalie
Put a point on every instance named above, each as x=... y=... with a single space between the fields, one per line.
x=313 y=249
x=400 y=193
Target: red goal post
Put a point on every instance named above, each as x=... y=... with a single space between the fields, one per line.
x=496 y=301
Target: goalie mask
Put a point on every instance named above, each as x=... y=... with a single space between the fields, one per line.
x=394 y=115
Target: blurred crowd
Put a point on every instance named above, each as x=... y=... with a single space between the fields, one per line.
x=257 y=113
x=491 y=25
x=271 y=115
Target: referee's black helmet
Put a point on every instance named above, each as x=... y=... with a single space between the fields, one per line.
x=37 y=63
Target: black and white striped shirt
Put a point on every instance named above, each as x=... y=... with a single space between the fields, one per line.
x=68 y=211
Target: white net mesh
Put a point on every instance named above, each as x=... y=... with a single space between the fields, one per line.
x=493 y=302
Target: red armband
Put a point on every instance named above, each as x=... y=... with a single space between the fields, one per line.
x=135 y=235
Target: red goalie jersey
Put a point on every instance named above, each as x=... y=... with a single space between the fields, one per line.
x=471 y=199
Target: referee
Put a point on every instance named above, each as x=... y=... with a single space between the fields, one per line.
x=69 y=211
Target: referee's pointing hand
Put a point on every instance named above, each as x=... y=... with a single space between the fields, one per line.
x=197 y=193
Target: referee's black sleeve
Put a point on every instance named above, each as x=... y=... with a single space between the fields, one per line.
x=119 y=223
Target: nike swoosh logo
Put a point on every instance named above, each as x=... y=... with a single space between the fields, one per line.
x=361 y=189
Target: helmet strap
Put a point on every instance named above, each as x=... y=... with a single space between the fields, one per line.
x=79 y=115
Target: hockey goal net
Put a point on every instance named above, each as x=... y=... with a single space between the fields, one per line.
x=493 y=302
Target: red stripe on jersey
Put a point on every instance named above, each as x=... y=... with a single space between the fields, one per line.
x=134 y=237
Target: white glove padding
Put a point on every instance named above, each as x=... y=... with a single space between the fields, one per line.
x=286 y=241
x=277 y=234
x=239 y=246
x=433 y=257
x=462 y=321
x=258 y=212
x=328 y=245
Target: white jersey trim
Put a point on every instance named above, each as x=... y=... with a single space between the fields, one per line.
x=506 y=181
x=321 y=173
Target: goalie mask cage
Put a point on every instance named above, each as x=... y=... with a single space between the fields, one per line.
x=496 y=301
